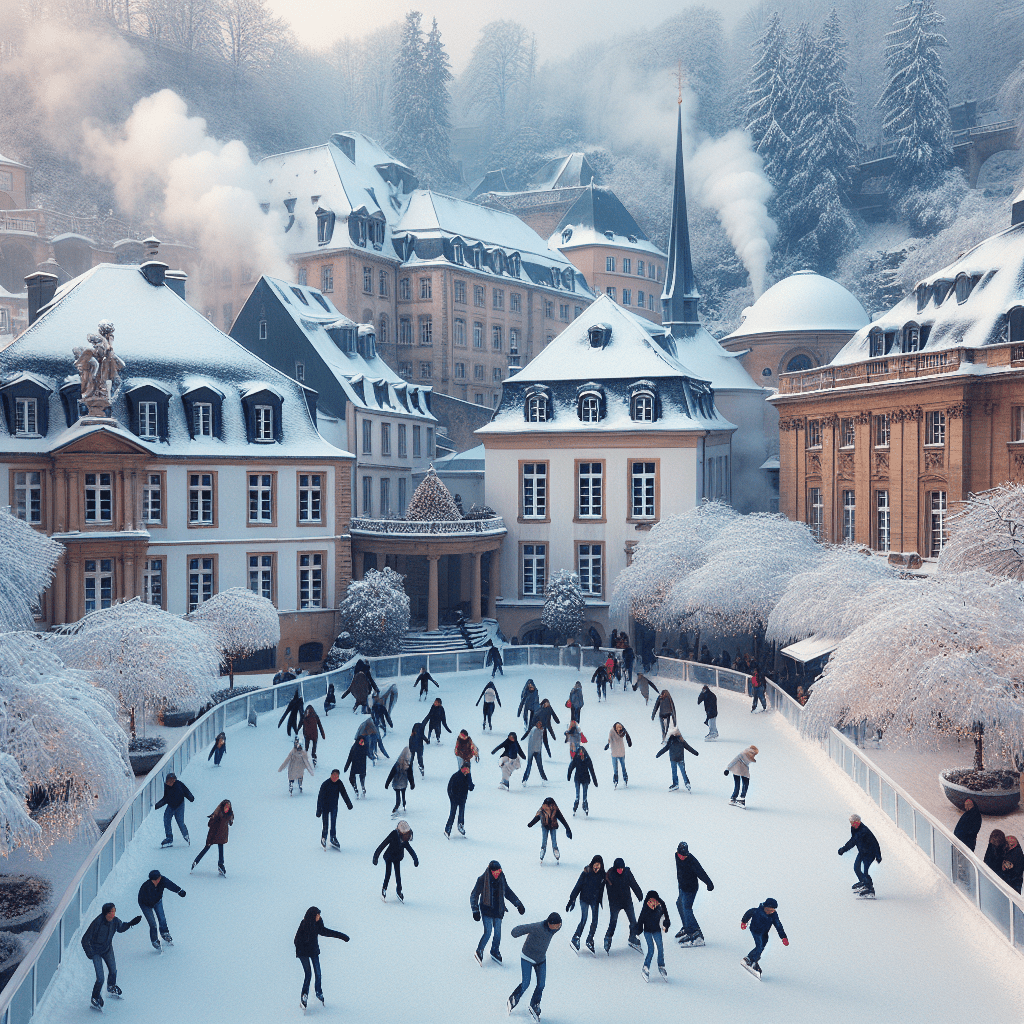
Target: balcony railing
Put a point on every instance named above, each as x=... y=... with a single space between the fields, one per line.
x=428 y=528
x=874 y=371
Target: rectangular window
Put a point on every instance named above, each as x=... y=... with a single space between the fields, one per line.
x=515 y=302
x=513 y=342
x=416 y=431
x=609 y=264
x=814 y=433
x=385 y=439
x=534 y=569
x=201 y=581
x=302 y=277
x=300 y=371
x=327 y=278
x=588 y=564
x=261 y=498
x=404 y=331
x=651 y=275
x=643 y=490
x=460 y=291
x=311 y=580
x=367 y=495
x=261 y=575
x=99 y=583
x=650 y=301
x=1017 y=423
x=460 y=371
x=368 y=280
x=639 y=268
x=535 y=490
x=849 y=517
x=402 y=494
x=627 y=296
x=497 y=298
x=28 y=497
x=815 y=512
x=882 y=431
x=405 y=289
x=385 y=497
x=405 y=368
x=202 y=419
x=935 y=428
x=478 y=295
x=426 y=371
x=367 y=437
x=478 y=399
x=152 y=498
x=590 y=490
x=425 y=288
x=496 y=374
x=846 y=432
x=936 y=522
x=459 y=333
x=382 y=284
x=549 y=311
x=264 y=423
x=627 y=265
x=311 y=497
x=200 y=499
x=426 y=331
x=882 y=522
x=610 y=292
x=99 y=498
x=640 y=299
x=147 y=420
x=497 y=343
x=430 y=443
x=563 y=312
x=402 y=447
x=153 y=581
x=478 y=335
x=26 y=421
x=478 y=372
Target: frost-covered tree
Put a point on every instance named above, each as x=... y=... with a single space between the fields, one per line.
x=432 y=501
x=987 y=533
x=376 y=612
x=240 y=623
x=915 y=103
x=769 y=116
x=408 y=114
x=564 y=606
x=27 y=558
x=437 y=128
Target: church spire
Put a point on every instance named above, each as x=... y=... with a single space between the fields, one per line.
x=680 y=297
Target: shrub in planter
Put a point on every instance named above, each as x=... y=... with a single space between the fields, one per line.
x=994 y=791
x=144 y=752
x=24 y=903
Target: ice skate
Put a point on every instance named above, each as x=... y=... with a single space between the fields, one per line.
x=478 y=958
x=687 y=787
x=513 y=1000
x=291 y=788
x=535 y=1011
x=615 y=783
x=401 y=898
x=166 y=844
x=608 y=945
x=335 y=843
x=320 y=996
x=857 y=885
x=867 y=893
x=663 y=972
x=166 y=936
x=323 y=842
x=753 y=968
x=462 y=830
x=496 y=957
x=557 y=852
x=222 y=871
x=447 y=833
x=575 y=943
x=97 y=1003
x=673 y=787
x=635 y=944
x=157 y=946
x=542 y=852
x=742 y=802
x=115 y=991
x=302 y=1000
x=732 y=802
x=590 y=946
x=645 y=971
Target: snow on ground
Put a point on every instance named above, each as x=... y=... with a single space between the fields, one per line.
x=903 y=957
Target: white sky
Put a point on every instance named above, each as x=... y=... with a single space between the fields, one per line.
x=570 y=23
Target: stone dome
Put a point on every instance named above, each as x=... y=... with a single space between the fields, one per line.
x=804 y=301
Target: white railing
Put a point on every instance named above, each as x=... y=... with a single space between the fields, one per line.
x=427 y=527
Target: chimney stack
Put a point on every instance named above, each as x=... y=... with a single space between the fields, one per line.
x=151 y=247
x=153 y=271
x=41 y=288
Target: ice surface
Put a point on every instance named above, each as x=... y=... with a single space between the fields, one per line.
x=910 y=956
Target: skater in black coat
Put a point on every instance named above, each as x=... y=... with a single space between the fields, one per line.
x=416 y=741
x=545 y=714
x=435 y=720
x=676 y=747
x=709 y=699
x=151 y=903
x=581 y=770
x=529 y=701
x=327 y=805
x=423 y=681
x=689 y=874
x=549 y=816
x=761 y=920
x=173 y=802
x=488 y=695
x=487 y=901
x=653 y=920
x=98 y=945
x=628 y=659
x=307 y=950
x=600 y=678
x=509 y=747
x=665 y=710
x=868 y=851
x=621 y=883
x=589 y=889
x=459 y=786
x=330 y=701
x=357 y=762
x=494 y=660
x=1011 y=868
x=219 y=749
x=394 y=846
x=969 y=825
x=293 y=712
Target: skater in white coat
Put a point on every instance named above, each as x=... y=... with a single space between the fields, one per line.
x=618 y=740
x=740 y=768
x=298 y=763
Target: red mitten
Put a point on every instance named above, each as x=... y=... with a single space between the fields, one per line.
x=743 y=925
x=785 y=942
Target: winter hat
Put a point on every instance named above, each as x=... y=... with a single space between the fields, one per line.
x=494 y=866
x=108 y=907
x=619 y=863
x=554 y=918
x=171 y=777
x=652 y=894
x=405 y=830
x=683 y=848
x=771 y=903
x=154 y=875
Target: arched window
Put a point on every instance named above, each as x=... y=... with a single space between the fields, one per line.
x=799 y=363
x=911 y=337
x=590 y=407
x=642 y=407
x=1015 y=324
x=537 y=409
x=963 y=288
x=382 y=330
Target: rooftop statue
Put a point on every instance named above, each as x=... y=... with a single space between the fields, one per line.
x=99 y=369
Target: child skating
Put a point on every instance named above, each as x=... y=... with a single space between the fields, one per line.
x=761 y=920
x=218 y=750
x=652 y=922
x=740 y=768
x=394 y=846
x=298 y=763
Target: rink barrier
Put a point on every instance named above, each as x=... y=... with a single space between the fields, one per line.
x=59 y=937
x=963 y=869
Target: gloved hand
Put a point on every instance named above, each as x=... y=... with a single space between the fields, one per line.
x=134 y=921
x=182 y=894
x=476 y=915
x=415 y=863
x=344 y=937
x=570 y=906
x=785 y=942
x=711 y=886
x=374 y=861
x=743 y=926
x=522 y=909
x=840 y=851
x=726 y=772
x=568 y=834
x=879 y=858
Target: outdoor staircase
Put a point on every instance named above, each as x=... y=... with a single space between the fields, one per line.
x=448 y=638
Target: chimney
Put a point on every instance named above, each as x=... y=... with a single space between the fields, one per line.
x=175 y=280
x=41 y=289
x=153 y=271
x=151 y=247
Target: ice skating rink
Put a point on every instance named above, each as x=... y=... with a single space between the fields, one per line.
x=916 y=954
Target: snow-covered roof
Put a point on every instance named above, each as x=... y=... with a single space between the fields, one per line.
x=565 y=172
x=599 y=218
x=804 y=301
x=472 y=459
x=991 y=283
x=5 y=294
x=162 y=340
x=12 y=163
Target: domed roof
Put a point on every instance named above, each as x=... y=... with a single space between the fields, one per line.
x=804 y=301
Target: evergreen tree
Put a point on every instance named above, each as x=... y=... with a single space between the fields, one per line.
x=432 y=501
x=409 y=115
x=437 y=129
x=376 y=612
x=769 y=102
x=564 y=605
x=915 y=104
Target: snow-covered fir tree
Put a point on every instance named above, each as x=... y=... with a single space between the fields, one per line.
x=769 y=115
x=408 y=114
x=564 y=606
x=376 y=612
x=437 y=128
x=240 y=623
x=915 y=103
x=432 y=501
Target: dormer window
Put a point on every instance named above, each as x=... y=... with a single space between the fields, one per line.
x=599 y=335
x=26 y=405
x=556 y=277
x=324 y=226
x=26 y=420
x=202 y=411
x=642 y=407
x=610 y=235
x=538 y=405
x=147 y=420
x=963 y=288
x=940 y=290
x=876 y=343
x=1015 y=324
x=202 y=419
x=147 y=409
x=923 y=293
x=264 y=423
x=566 y=235
x=590 y=404
x=515 y=265
x=457 y=256
x=911 y=338
x=262 y=405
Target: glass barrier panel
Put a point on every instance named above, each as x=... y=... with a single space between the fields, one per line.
x=263 y=702
x=48 y=962
x=904 y=816
x=234 y=712
x=860 y=773
x=138 y=812
x=848 y=760
x=119 y=841
x=704 y=675
x=546 y=656
x=1018 y=927
x=410 y=664
x=924 y=833
x=21 y=1005
x=315 y=688
x=670 y=669
x=873 y=785
x=89 y=887
x=388 y=668
x=470 y=660
x=72 y=917
x=945 y=855
x=516 y=655
x=994 y=905
x=729 y=680
x=591 y=658
x=443 y=663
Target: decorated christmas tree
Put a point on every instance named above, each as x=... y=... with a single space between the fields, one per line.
x=432 y=501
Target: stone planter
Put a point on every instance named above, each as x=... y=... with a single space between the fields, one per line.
x=18 y=948
x=146 y=759
x=176 y=719
x=989 y=801
x=24 y=903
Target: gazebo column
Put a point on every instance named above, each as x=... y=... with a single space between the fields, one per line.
x=475 y=588
x=495 y=578
x=432 y=622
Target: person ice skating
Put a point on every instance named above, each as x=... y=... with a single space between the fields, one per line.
x=645 y=686
x=653 y=920
x=534 y=746
x=423 y=681
x=761 y=919
x=969 y=825
x=575 y=702
x=330 y=701
x=307 y=951
x=327 y=806
x=740 y=768
x=1011 y=870
x=98 y=945
x=151 y=903
x=293 y=712
x=297 y=762
x=311 y=725
x=435 y=720
x=676 y=747
x=400 y=778
x=600 y=678
x=373 y=741
x=488 y=695
x=511 y=758
x=709 y=699
x=217 y=834
x=620 y=883
x=360 y=688
x=665 y=711
x=868 y=851
x=618 y=740
x=416 y=741
x=549 y=816
x=487 y=901
x=529 y=701
x=589 y=889
x=494 y=660
x=689 y=875
x=628 y=659
x=173 y=802
x=757 y=688
x=546 y=714
x=994 y=850
x=356 y=766
x=611 y=666
x=534 y=959
x=581 y=771
x=394 y=846
x=574 y=737
x=459 y=786
x=465 y=749
x=380 y=714
x=218 y=750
